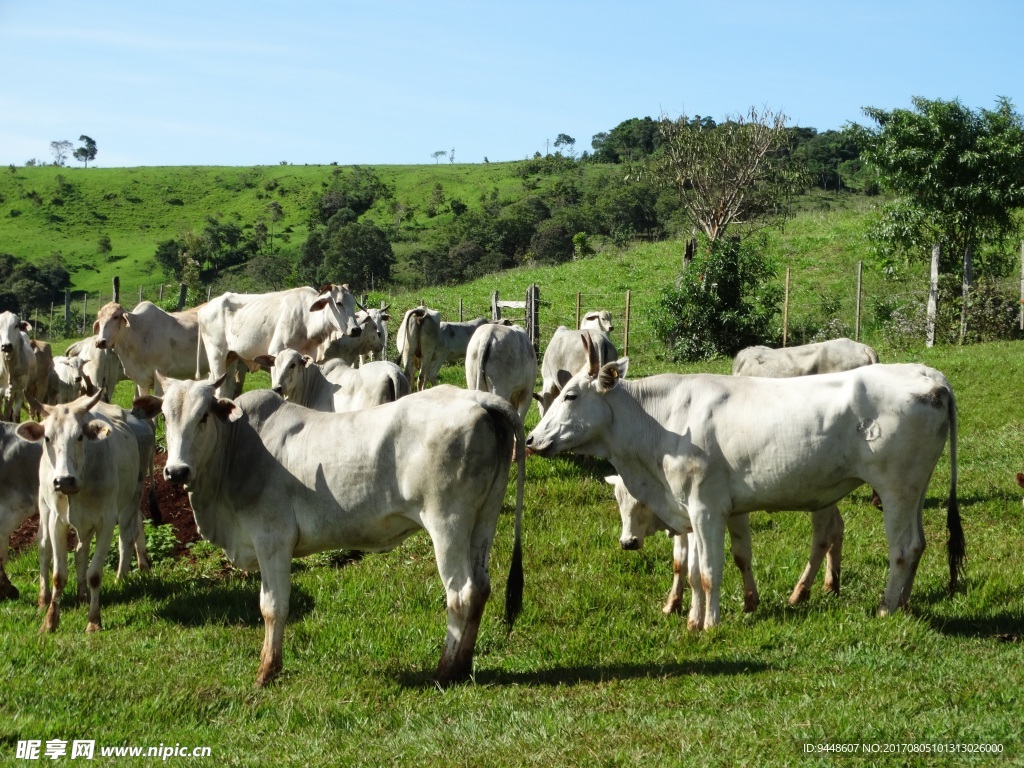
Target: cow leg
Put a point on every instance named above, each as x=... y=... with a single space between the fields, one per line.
x=695 y=621
x=709 y=530
x=45 y=556
x=275 y=593
x=674 y=603
x=7 y=590
x=822 y=522
x=141 y=553
x=59 y=549
x=834 y=558
x=462 y=565
x=742 y=555
x=82 y=566
x=905 y=534
x=94 y=575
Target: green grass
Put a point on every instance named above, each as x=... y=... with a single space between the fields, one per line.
x=592 y=673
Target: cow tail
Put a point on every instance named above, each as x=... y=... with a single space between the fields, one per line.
x=514 y=588
x=481 y=375
x=955 y=547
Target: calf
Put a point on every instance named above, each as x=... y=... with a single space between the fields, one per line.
x=90 y=478
x=438 y=460
x=371 y=342
x=830 y=356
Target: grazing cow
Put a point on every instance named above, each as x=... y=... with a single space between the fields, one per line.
x=823 y=357
x=639 y=521
x=598 y=320
x=371 y=342
x=101 y=365
x=697 y=449
x=335 y=387
x=501 y=359
x=565 y=355
x=19 y=493
x=438 y=461
x=249 y=325
x=17 y=365
x=426 y=342
x=91 y=477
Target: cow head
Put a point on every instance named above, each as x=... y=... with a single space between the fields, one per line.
x=65 y=433
x=638 y=519
x=11 y=329
x=109 y=321
x=287 y=370
x=600 y=320
x=340 y=305
x=191 y=412
x=579 y=414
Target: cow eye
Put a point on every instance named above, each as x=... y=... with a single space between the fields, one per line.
x=570 y=396
x=205 y=416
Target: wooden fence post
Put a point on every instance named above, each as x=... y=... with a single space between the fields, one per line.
x=161 y=293
x=117 y=290
x=579 y=298
x=625 y=342
x=933 y=297
x=860 y=285
x=182 y=295
x=785 y=310
x=495 y=309
x=460 y=309
x=85 y=311
x=533 y=315
x=67 y=309
x=965 y=290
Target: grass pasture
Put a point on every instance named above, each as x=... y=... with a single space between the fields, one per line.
x=592 y=673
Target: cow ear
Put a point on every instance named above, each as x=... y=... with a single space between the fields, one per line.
x=318 y=304
x=125 y=317
x=226 y=410
x=147 y=406
x=31 y=431
x=25 y=325
x=265 y=361
x=96 y=430
x=95 y=327
x=562 y=377
x=307 y=360
x=611 y=373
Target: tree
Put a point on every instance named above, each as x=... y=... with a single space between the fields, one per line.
x=567 y=141
x=733 y=174
x=276 y=213
x=958 y=174
x=87 y=151
x=630 y=140
x=358 y=190
x=357 y=253
x=438 y=155
x=60 y=150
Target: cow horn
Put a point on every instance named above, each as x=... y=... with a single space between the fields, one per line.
x=593 y=361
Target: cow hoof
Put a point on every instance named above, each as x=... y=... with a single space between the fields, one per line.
x=672 y=605
x=750 y=603
x=267 y=674
x=883 y=612
x=93 y=626
x=800 y=595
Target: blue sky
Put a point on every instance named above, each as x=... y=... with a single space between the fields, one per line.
x=224 y=82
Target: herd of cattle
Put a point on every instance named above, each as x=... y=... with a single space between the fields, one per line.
x=348 y=455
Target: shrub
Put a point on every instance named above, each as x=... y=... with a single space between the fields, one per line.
x=726 y=300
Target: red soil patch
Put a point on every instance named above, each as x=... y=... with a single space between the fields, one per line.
x=174 y=509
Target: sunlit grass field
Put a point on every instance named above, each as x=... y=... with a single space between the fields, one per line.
x=592 y=673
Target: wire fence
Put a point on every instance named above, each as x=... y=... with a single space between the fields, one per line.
x=874 y=310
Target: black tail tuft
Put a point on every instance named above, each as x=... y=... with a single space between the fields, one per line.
x=154 y=508
x=514 y=588
x=955 y=547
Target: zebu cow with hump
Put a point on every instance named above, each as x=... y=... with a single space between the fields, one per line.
x=94 y=462
x=501 y=359
x=101 y=365
x=371 y=342
x=827 y=524
x=17 y=365
x=697 y=449
x=19 y=493
x=335 y=387
x=565 y=354
x=438 y=461
x=425 y=342
x=250 y=325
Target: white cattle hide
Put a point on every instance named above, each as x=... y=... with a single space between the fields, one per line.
x=501 y=359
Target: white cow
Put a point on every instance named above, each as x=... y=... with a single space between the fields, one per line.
x=91 y=477
x=249 y=325
x=101 y=365
x=38 y=385
x=597 y=320
x=17 y=365
x=372 y=341
x=67 y=381
x=565 y=354
x=19 y=493
x=335 y=387
x=438 y=461
x=425 y=342
x=698 y=449
x=823 y=357
x=501 y=359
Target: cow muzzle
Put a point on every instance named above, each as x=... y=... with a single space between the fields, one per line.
x=101 y=343
x=178 y=473
x=6 y=347
x=357 y=331
x=632 y=543
x=66 y=484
